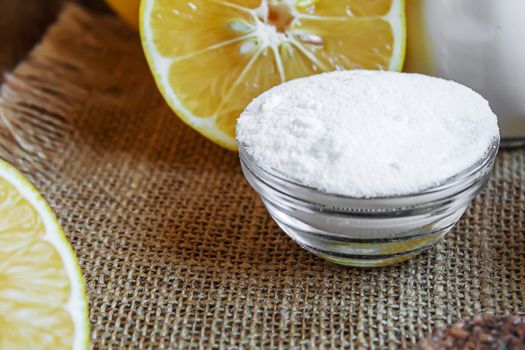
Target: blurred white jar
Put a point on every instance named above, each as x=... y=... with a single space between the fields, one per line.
x=479 y=43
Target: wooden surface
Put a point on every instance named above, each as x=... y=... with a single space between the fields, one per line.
x=22 y=24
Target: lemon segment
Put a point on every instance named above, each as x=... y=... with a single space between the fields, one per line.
x=42 y=295
x=345 y=8
x=210 y=58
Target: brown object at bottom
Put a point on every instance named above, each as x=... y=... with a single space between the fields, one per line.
x=179 y=252
x=490 y=333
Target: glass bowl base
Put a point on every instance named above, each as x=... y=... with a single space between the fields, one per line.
x=382 y=254
x=357 y=262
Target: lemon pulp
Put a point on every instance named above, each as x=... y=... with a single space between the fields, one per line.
x=211 y=57
x=42 y=296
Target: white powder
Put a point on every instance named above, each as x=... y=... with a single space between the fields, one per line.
x=368 y=133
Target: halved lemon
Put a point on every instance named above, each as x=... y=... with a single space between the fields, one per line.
x=127 y=10
x=210 y=58
x=42 y=295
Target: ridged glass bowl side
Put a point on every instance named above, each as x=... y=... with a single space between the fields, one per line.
x=366 y=231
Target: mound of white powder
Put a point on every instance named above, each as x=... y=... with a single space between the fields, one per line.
x=368 y=133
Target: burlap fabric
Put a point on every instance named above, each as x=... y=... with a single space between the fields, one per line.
x=178 y=251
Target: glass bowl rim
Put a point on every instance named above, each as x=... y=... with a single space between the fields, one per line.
x=446 y=184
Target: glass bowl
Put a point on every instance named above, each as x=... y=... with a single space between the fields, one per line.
x=365 y=232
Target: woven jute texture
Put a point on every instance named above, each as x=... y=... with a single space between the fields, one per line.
x=178 y=251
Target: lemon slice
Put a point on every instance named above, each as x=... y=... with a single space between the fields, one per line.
x=42 y=295
x=210 y=58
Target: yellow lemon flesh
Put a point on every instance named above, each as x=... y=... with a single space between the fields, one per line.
x=42 y=294
x=210 y=58
x=127 y=9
